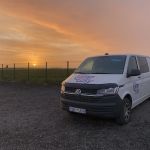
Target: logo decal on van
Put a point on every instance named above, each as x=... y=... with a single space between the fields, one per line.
x=78 y=92
x=136 y=88
x=84 y=79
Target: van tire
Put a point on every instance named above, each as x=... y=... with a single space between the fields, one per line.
x=125 y=113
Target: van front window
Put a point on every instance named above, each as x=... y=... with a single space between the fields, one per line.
x=102 y=65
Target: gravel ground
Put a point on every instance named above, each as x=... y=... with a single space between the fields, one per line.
x=31 y=119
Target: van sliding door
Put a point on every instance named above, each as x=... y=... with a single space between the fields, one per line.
x=145 y=76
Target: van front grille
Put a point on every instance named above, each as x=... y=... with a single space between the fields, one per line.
x=83 y=90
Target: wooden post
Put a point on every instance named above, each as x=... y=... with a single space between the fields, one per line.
x=14 y=72
x=2 y=73
x=28 y=71
x=46 y=72
x=67 y=68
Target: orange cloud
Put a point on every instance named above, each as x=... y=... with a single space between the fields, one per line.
x=57 y=30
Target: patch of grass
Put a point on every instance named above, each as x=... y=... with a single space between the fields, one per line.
x=36 y=76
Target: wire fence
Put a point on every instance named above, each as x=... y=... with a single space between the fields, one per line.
x=39 y=74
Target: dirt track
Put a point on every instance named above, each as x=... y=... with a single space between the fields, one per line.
x=31 y=119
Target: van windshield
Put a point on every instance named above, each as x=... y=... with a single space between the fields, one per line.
x=102 y=65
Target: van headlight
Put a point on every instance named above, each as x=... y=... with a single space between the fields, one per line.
x=62 y=88
x=109 y=91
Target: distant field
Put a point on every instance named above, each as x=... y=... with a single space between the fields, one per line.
x=35 y=76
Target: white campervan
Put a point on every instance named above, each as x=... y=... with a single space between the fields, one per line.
x=108 y=86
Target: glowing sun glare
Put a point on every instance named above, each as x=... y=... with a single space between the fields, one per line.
x=34 y=65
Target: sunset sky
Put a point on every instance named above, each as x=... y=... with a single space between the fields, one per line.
x=61 y=30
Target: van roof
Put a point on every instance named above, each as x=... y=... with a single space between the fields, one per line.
x=121 y=55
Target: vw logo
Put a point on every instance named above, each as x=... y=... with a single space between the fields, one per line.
x=78 y=92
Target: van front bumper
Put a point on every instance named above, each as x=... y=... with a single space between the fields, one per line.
x=106 y=106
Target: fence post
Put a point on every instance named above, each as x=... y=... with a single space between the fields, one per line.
x=46 y=72
x=28 y=71
x=67 y=68
x=2 y=73
x=14 y=72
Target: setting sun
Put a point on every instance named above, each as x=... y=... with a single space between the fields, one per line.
x=34 y=65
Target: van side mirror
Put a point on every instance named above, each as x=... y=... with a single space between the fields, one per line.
x=134 y=72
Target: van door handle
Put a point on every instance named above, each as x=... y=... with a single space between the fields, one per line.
x=139 y=77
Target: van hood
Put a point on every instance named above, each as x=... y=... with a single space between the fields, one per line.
x=94 y=78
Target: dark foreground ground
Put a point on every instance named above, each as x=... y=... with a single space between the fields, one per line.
x=31 y=119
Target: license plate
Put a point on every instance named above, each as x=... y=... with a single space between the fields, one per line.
x=77 y=110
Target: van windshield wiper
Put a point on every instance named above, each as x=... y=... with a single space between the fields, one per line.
x=92 y=73
x=100 y=73
x=81 y=72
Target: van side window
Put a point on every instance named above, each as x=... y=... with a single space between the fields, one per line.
x=143 y=64
x=132 y=64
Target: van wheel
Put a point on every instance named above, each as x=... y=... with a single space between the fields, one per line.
x=125 y=113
